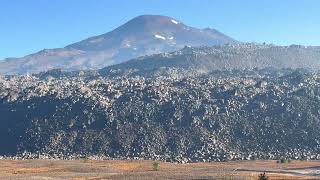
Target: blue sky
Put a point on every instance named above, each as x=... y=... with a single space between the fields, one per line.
x=27 y=26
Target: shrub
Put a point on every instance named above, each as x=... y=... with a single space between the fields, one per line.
x=284 y=160
x=84 y=159
x=263 y=177
x=156 y=166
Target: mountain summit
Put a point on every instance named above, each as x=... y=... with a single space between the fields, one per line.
x=153 y=30
x=143 y=35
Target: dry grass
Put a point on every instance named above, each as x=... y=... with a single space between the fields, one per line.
x=136 y=169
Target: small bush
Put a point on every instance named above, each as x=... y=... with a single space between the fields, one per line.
x=284 y=160
x=84 y=159
x=51 y=164
x=263 y=177
x=156 y=166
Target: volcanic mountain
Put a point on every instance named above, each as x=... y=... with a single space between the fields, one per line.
x=143 y=35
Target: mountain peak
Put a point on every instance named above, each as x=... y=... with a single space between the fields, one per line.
x=142 y=35
x=155 y=19
x=147 y=29
x=152 y=17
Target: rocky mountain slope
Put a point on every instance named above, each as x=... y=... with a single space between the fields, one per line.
x=182 y=115
x=225 y=57
x=143 y=35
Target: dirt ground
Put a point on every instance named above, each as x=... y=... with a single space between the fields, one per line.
x=138 y=169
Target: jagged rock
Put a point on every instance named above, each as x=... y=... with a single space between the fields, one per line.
x=180 y=116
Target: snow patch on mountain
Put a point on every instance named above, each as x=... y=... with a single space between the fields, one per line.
x=159 y=37
x=174 y=21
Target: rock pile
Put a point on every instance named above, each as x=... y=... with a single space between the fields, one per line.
x=179 y=115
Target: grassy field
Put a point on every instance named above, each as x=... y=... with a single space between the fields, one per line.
x=138 y=169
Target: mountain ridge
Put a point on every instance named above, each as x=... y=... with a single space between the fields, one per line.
x=143 y=35
x=225 y=57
